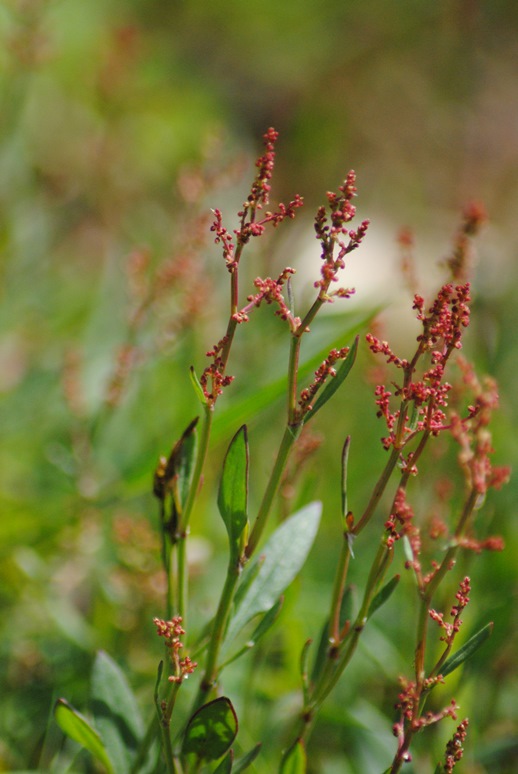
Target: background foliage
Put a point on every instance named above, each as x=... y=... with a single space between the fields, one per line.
x=122 y=124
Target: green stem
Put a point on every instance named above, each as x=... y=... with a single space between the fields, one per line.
x=288 y=439
x=377 y=492
x=218 y=633
x=338 y=591
x=180 y=545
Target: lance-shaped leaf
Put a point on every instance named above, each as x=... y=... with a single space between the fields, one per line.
x=467 y=650
x=211 y=730
x=198 y=389
x=116 y=712
x=283 y=557
x=264 y=625
x=77 y=727
x=295 y=760
x=175 y=476
x=334 y=383
x=233 y=490
x=225 y=767
x=383 y=595
x=243 y=763
x=345 y=461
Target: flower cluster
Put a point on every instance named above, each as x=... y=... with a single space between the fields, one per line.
x=454 y=748
x=171 y=631
x=258 y=197
x=451 y=629
x=408 y=704
x=459 y=262
x=473 y=435
x=260 y=191
x=441 y=334
x=330 y=234
x=401 y=523
x=270 y=291
x=215 y=373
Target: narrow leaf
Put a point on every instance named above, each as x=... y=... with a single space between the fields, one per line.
x=233 y=490
x=383 y=595
x=345 y=460
x=211 y=730
x=186 y=461
x=225 y=767
x=335 y=382
x=294 y=762
x=177 y=474
x=467 y=650
x=265 y=624
x=77 y=727
x=116 y=712
x=198 y=389
x=243 y=763
x=267 y=621
x=284 y=555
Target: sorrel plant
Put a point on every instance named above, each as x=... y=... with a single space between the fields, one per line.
x=418 y=404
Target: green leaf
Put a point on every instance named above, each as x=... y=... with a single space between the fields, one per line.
x=115 y=711
x=282 y=559
x=77 y=727
x=467 y=650
x=225 y=767
x=345 y=460
x=186 y=461
x=211 y=730
x=198 y=389
x=383 y=595
x=243 y=763
x=335 y=382
x=267 y=621
x=177 y=475
x=233 y=490
x=294 y=762
x=263 y=626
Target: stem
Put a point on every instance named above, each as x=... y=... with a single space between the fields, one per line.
x=338 y=591
x=288 y=439
x=218 y=633
x=182 y=568
x=377 y=492
x=293 y=370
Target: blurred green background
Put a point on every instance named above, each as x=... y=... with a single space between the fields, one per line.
x=122 y=124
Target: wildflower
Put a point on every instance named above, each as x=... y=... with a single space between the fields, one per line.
x=171 y=631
